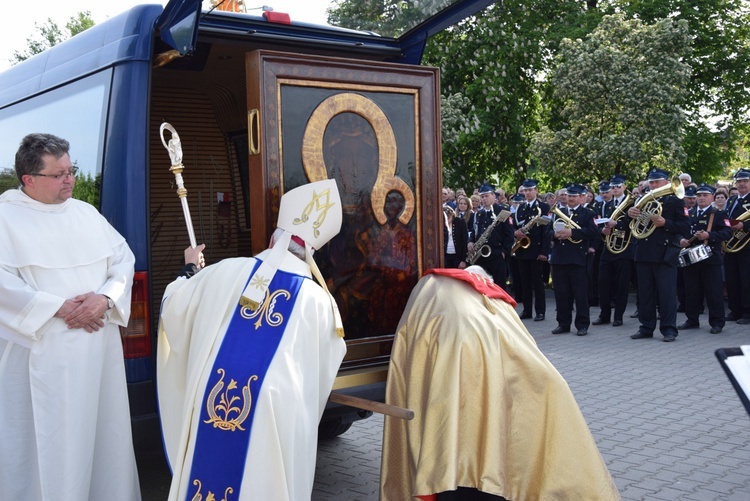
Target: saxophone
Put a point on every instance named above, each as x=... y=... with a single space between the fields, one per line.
x=480 y=247
x=525 y=241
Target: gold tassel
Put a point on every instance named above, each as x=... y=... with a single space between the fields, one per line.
x=488 y=304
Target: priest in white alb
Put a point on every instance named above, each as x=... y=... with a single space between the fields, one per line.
x=248 y=352
x=65 y=286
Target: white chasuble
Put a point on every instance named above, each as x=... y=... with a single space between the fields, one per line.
x=268 y=416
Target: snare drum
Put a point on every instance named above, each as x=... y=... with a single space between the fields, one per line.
x=693 y=255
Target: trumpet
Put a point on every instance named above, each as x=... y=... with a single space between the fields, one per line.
x=739 y=238
x=569 y=223
x=618 y=240
x=642 y=226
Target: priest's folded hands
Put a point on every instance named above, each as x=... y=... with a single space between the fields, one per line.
x=85 y=311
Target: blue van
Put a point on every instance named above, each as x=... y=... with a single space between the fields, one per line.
x=262 y=104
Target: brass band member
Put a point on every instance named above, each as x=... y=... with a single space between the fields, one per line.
x=690 y=201
x=500 y=239
x=737 y=263
x=617 y=255
x=656 y=258
x=530 y=258
x=568 y=259
x=703 y=278
x=597 y=245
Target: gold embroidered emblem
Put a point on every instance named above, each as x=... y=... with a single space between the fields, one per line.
x=210 y=496
x=266 y=310
x=232 y=416
x=320 y=203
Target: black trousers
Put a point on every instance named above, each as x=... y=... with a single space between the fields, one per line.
x=656 y=285
x=495 y=266
x=614 y=283
x=451 y=260
x=592 y=270
x=518 y=284
x=680 y=287
x=571 y=285
x=737 y=276
x=530 y=271
x=704 y=280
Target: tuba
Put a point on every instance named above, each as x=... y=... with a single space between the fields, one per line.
x=739 y=238
x=569 y=223
x=618 y=240
x=642 y=226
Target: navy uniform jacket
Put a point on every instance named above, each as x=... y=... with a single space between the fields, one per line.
x=501 y=239
x=598 y=208
x=663 y=245
x=565 y=251
x=735 y=210
x=538 y=234
x=719 y=231
x=623 y=224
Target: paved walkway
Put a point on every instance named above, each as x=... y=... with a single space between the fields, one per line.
x=667 y=421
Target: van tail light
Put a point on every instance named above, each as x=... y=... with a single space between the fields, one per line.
x=136 y=337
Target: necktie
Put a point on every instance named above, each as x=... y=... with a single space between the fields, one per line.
x=617 y=202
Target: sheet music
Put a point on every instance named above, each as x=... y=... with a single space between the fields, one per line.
x=740 y=367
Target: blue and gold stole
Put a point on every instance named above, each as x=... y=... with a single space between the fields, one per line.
x=226 y=420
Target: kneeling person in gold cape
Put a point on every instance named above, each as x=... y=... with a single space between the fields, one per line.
x=492 y=414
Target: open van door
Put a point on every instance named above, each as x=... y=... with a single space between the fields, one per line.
x=179 y=24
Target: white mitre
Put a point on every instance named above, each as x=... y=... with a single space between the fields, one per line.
x=313 y=214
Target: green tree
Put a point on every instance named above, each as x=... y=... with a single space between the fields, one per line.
x=87 y=188
x=620 y=94
x=49 y=34
x=719 y=97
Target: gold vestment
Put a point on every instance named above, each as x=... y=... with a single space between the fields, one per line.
x=491 y=412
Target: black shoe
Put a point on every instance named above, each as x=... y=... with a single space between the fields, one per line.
x=582 y=332
x=669 y=339
x=539 y=317
x=524 y=315
x=634 y=314
x=641 y=335
x=560 y=330
x=731 y=317
x=715 y=330
x=687 y=325
x=600 y=321
x=743 y=321
x=616 y=323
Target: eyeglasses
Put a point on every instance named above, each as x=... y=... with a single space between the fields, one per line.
x=71 y=173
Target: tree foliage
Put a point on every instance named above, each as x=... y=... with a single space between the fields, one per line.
x=496 y=71
x=719 y=95
x=621 y=92
x=49 y=34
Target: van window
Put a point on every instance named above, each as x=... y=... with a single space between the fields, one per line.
x=75 y=112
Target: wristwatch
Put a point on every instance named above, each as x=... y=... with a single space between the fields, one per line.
x=110 y=303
